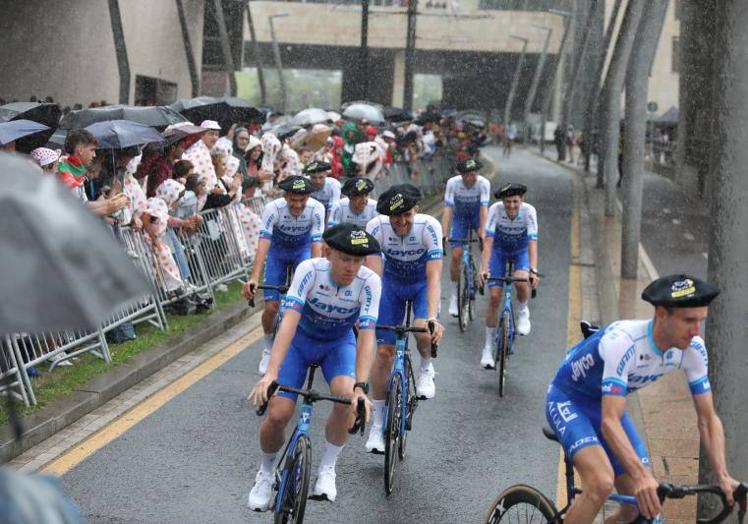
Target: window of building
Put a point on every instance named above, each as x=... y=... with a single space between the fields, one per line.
x=676 y=55
x=154 y=91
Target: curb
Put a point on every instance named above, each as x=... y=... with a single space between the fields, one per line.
x=102 y=388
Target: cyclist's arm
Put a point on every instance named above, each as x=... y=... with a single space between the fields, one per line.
x=486 y=255
x=433 y=286
x=316 y=249
x=318 y=227
x=532 y=250
x=449 y=202
x=446 y=218
x=286 y=332
x=374 y=262
x=367 y=321
x=483 y=219
x=615 y=436
x=485 y=198
x=262 y=251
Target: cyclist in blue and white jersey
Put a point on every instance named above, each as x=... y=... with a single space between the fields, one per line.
x=326 y=298
x=411 y=270
x=586 y=401
x=465 y=208
x=325 y=188
x=357 y=208
x=291 y=232
x=511 y=235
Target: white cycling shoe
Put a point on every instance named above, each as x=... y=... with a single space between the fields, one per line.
x=486 y=360
x=523 y=322
x=425 y=387
x=453 y=306
x=324 y=488
x=261 y=495
x=264 y=361
x=375 y=443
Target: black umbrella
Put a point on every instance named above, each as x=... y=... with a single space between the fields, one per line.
x=428 y=116
x=225 y=110
x=397 y=114
x=24 y=133
x=154 y=116
x=120 y=134
x=284 y=131
x=472 y=118
x=46 y=234
x=47 y=114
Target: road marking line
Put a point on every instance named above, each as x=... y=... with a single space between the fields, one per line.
x=705 y=255
x=676 y=221
x=129 y=419
x=689 y=236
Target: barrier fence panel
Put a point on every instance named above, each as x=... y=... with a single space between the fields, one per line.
x=13 y=378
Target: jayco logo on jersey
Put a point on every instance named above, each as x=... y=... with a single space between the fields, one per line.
x=580 y=366
x=331 y=308
x=405 y=252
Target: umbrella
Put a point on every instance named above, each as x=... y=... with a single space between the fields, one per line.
x=311 y=116
x=47 y=114
x=284 y=131
x=119 y=134
x=182 y=131
x=334 y=117
x=397 y=114
x=470 y=118
x=154 y=116
x=314 y=138
x=360 y=111
x=61 y=265
x=427 y=116
x=16 y=129
x=225 y=110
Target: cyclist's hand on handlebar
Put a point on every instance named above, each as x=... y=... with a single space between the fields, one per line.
x=729 y=485
x=534 y=280
x=249 y=289
x=438 y=332
x=483 y=278
x=645 y=490
x=259 y=394
x=358 y=394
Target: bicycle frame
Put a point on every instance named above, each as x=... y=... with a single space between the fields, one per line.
x=402 y=353
x=507 y=306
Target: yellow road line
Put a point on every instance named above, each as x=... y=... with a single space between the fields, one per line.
x=124 y=423
x=572 y=329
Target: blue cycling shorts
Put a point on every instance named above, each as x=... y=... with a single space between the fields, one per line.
x=277 y=263
x=461 y=226
x=335 y=358
x=392 y=305
x=499 y=259
x=576 y=421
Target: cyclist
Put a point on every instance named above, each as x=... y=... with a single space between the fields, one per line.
x=327 y=296
x=291 y=232
x=511 y=235
x=325 y=188
x=466 y=200
x=357 y=208
x=586 y=402
x=412 y=249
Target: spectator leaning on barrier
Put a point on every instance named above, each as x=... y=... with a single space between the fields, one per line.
x=199 y=152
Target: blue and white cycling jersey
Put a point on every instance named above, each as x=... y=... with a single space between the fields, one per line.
x=467 y=201
x=329 y=195
x=342 y=214
x=289 y=232
x=623 y=358
x=328 y=311
x=405 y=257
x=511 y=235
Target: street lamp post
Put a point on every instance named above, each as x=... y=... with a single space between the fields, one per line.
x=258 y=56
x=536 y=79
x=277 y=57
x=515 y=80
x=549 y=92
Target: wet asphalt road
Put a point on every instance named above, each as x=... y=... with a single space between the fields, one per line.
x=194 y=460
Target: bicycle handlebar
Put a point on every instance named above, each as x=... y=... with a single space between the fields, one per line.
x=465 y=240
x=280 y=289
x=671 y=491
x=401 y=331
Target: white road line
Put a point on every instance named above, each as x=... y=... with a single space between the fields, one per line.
x=676 y=221
x=705 y=255
x=689 y=236
x=666 y=210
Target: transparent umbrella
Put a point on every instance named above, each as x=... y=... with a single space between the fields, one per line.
x=360 y=111
x=311 y=116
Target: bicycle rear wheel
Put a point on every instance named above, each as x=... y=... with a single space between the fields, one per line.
x=502 y=348
x=521 y=504
x=411 y=400
x=473 y=287
x=462 y=301
x=392 y=432
x=293 y=497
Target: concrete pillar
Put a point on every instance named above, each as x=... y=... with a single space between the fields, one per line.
x=727 y=327
x=398 y=78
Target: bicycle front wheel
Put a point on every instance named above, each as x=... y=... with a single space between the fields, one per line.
x=392 y=431
x=293 y=495
x=502 y=349
x=462 y=301
x=473 y=287
x=521 y=504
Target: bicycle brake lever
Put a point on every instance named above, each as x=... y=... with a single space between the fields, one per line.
x=434 y=346
x=360 y=422
x=534 y=293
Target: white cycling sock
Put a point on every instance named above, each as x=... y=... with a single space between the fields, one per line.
x=268 y=337
x=377 y=408
x=490 y=336
x=522 y=307
x=425 y=362
x=330 y=455
x=453 y=285
x=267 y=461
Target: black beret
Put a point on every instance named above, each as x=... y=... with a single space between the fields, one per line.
x=398 y=199
x=510 y=189
x=317 y=167
x=680 y=291
x=466 y=166
x=297 y=184
x=351 y=239
x=357 y=186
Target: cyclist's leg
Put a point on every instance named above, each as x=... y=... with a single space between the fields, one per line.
x=425 y=386
x=391 y=312
x=572 y=420
x=275 y=275
x=522 y=270
x=459 y=230
x=496 y=268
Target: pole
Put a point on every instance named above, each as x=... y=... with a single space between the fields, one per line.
x=515 y=80
x=546 y=105
x=194 y=78
x=223 y=35
x=363 y=54
x=410 y=48
x=726 y=328
x=569 y=94
x=536 y=80
x=637 y=87
x=258 y=56
x=591 y=111
x=120 y=48
x=610 y=108
x=278 y=64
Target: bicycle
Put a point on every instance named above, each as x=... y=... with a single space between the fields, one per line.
x=401 y=399
x=467 y=282
x=525 y=502
x=292 y=480
x=506 y=332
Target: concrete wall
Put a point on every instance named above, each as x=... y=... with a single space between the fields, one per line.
x=64 y=48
